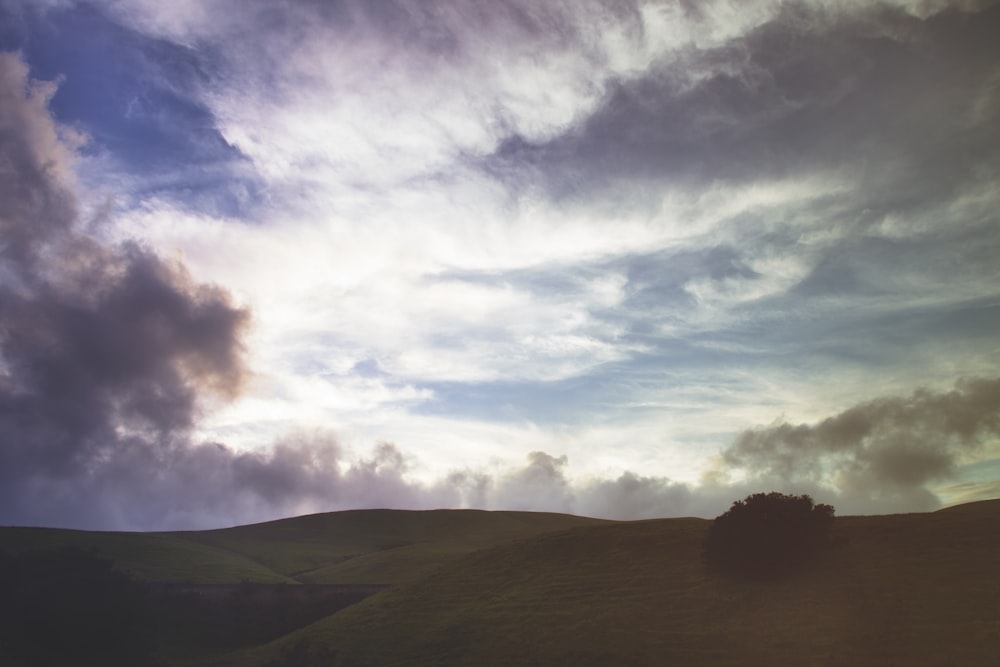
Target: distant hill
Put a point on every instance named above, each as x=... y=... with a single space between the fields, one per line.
x=378 y=546
x=358 y=546
x=913 y=589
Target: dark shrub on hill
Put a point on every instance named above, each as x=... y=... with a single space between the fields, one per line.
x=768 y=535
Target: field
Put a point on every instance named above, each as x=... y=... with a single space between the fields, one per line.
x=476 y=588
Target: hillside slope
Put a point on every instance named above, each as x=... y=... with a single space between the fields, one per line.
x=918 y=589
x=158 y=557
x=358 y=546
x=377 y=546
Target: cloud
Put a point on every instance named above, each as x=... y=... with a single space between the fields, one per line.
x=804 y=86
x=653 y=222
x=37 y=198
x=543 y=484
x=483 y=71
x=893 y=454
x=885 y=452
x=838 y=103
x=110 y=355
x=968 y=492
x=105 y=349
x=785 y=139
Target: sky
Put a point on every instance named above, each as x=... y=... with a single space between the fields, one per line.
x=615 y=258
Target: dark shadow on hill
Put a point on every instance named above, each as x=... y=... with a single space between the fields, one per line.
x=72 y=607
x=225 y=616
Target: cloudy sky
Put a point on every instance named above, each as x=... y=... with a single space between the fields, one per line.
x=617 y=258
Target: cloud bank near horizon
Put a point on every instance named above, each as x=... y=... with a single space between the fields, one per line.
x=541 y=250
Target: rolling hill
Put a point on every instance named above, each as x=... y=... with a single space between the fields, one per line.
x=161 y=557
x=915 y=589
x=519 y=588
x=377 y=546
x=357 y=546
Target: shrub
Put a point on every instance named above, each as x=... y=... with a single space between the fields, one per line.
x=768 y=535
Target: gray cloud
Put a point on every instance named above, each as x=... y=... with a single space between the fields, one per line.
x=106 y=350
x=542 y=484
x=907 y=99
x=633 y=496
x=36 y=201
x=209 y=484
x=887 y=455
x=897 y=111
x=880 y=454
x=109 y=354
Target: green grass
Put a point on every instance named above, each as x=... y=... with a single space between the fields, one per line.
x=919 y=589
x=148 y=556
x=516 y=588
x=377 y=546
x=360 y=546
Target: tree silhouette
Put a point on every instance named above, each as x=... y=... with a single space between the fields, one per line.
x=768 y=535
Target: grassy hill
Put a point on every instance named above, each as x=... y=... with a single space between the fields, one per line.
x=360 y=546
x=148 y=556
x=917 y=589
x=518 y=588
x=377 y=546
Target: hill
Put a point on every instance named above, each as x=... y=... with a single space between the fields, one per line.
x=358 y=546
x=915 y=589
x=518 y=588
x=161 y=557
x=377 y=546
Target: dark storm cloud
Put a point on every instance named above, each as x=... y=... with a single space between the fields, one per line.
x=887 y=450
x=105 y=350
